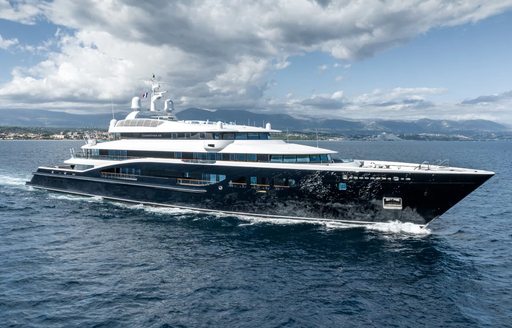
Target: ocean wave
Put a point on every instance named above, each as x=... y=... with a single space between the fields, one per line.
x=161 y=210
x=394 y=227
x=75 y=197
x=9 y=180
x=169 y=210
x=397 y=227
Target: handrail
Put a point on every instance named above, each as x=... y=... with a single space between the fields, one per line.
x=126 y=176
x=424 y=163
x=193 y=182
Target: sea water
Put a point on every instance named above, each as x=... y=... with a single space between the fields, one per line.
x=78 y=261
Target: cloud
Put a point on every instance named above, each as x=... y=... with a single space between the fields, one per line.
x=218 y=54
x=25 y=12
x=7 y=43
x=399 y=98
x=489 y=99
x=323 y=101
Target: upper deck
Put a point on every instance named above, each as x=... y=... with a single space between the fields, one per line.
x=140 y=122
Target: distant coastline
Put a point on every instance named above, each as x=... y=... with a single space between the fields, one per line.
x=55 y=133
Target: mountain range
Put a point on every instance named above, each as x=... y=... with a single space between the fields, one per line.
x=45 y=118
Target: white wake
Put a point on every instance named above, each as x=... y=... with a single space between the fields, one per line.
x=397 y=227
x=9 y=180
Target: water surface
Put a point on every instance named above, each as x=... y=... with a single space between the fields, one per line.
x=75 y=261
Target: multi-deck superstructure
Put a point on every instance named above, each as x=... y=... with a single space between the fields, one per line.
x=154 y=158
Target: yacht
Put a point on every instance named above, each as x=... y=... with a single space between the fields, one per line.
x=153 y=158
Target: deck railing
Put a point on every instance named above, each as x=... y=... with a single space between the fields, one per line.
x=193 y=182
x=124 y=176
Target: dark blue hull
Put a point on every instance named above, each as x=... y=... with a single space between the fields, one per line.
x=349 y=197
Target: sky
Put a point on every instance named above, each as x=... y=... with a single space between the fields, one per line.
x=379 y=59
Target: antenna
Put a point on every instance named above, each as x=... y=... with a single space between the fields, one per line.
x=112 y=107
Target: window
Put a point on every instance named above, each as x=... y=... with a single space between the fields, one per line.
x=276 y=158
x=228 y=136
x=253 y=136
x=314 y=158
x=241 y=136
x=116 y=153
x=251 y=157
x=240 y=157
x=392 y=203
x=238 y=183
x=213 y=178
x=199 y=156
x=289 y=159
x=302 y=158
x=262 y=157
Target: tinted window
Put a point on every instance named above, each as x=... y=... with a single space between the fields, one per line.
x=262 y=157
x=276 y=158
x=251 y=157
x=314 y=158
x=289 y=158
x=228 y=136
x=302 y=158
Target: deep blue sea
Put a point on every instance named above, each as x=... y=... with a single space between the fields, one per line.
x=69 y=261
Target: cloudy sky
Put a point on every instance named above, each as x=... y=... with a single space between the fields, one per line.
x=344 y=59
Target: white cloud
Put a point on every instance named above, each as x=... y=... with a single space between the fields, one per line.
x=218 y=54
x=25 y=12
x=7 y=43
x=397 y=96
x=247 y=71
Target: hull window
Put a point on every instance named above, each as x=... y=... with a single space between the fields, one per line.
x=392 y=203
x=238 y=183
